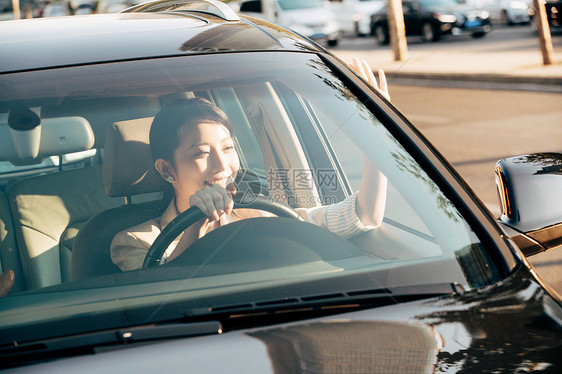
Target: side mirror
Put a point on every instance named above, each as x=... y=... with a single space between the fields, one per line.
x=530 y=193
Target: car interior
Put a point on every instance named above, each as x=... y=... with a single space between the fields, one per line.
x=49 y=208
x=56 y=203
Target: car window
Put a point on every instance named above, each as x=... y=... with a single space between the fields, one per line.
x=9 y=170
x=251 y=6
x=305 y=136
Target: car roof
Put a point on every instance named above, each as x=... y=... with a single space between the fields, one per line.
x=74 y=40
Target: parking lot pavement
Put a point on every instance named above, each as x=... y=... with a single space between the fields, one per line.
x=523 y=68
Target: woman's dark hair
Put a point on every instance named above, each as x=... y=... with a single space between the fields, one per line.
x=166 y=130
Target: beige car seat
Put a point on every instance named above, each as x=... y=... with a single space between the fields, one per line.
x=48 y=210
x=128 y=172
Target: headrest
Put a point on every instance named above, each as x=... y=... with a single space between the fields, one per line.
x=101 y=112
x=46 y=137
x=128 y=168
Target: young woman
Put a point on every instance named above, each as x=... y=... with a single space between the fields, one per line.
x=193 y=149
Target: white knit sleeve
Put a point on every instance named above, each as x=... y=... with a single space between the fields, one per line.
x=340 y=218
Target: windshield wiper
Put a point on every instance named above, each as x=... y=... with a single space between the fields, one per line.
x=72 y=345
x=252 y=313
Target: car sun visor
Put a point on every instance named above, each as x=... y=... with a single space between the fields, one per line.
x=26 y=139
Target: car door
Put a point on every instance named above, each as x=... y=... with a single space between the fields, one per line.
x=412 y=18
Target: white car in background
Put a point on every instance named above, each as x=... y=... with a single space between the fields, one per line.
x=310 y=18
x=505 y=12
x=354 y=16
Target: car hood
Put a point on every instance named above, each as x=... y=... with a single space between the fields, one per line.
x=504 y=328
x=510 y=326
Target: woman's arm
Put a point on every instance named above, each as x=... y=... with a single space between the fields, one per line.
x=215 y=201
x=371 y=201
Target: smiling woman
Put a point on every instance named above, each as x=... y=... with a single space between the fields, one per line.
x=193 y=149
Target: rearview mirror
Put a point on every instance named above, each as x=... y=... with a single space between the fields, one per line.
x=530 y=193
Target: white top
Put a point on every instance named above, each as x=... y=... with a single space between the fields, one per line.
x=129 y=247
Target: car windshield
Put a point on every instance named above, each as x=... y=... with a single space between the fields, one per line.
x=299 y=4
x=302 y=137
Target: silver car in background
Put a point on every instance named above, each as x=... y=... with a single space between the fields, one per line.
x=354 y=16
x=310 y=18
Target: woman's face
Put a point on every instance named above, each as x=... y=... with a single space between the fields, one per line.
x=206 y=155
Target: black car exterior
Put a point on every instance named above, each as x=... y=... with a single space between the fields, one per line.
x=432 y=19
x=553 y=10
x=479 y=308
x=554 y=14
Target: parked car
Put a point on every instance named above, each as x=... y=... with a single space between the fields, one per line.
x=354 y=16
x=5 y=6
x=505 y=12
x=311 y=18
x=431 y=19
x=439 y=286
x=553 y=10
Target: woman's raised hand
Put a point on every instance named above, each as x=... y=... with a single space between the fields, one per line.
x=364 y=70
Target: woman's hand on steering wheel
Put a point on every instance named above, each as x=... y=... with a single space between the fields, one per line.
x=194 y=214
x=214 y=200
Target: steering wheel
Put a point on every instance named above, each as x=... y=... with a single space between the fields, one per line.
x=194 y=214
